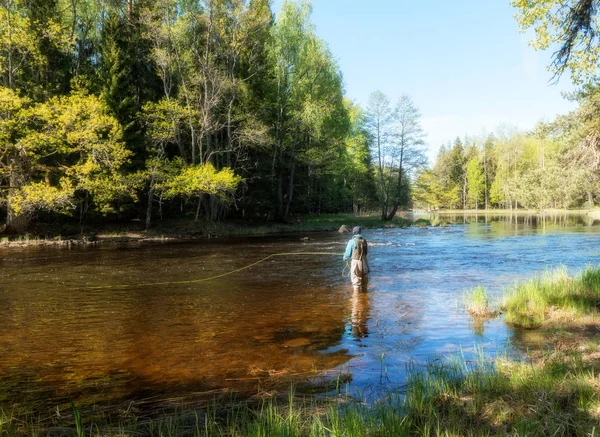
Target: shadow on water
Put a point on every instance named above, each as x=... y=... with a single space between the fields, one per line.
x=289 y=319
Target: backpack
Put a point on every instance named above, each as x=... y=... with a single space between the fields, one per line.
x=361 y=248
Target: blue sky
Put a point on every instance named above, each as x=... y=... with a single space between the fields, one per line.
x=463 y=62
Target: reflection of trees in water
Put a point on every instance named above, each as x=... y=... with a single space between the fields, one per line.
x=526 y=219
x=360 y=314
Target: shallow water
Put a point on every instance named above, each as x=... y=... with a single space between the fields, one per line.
x=290 y=318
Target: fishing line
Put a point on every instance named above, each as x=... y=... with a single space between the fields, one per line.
x=194 y=281
x=346 y=266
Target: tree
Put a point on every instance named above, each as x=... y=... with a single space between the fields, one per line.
x=475 y=182
x=359 y=167
x=54 y=150
x=571 y=23
x=200 y=180
x=308 y=98
x=407 y=149
x=379 y=125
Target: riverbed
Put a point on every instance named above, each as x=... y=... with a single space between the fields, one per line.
x=290 y=319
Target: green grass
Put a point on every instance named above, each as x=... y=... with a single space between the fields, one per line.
x=476 y=301
x=557 y=397
x=187 y=228
x=527 y=304
x=334 y=221
x=306 y=223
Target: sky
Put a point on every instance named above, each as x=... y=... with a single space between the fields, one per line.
x=464 y=63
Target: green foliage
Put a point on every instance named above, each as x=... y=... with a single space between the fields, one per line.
x=476 y=301
x=571 y=23
x=475 y=182
x=57 y=148
x=551 y=167
x=201 y=179
x=119 y=108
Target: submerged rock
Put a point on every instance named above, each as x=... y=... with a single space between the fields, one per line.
x=297 y=342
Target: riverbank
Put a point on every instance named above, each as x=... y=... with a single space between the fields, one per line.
x=185 y=229
x=556 y=391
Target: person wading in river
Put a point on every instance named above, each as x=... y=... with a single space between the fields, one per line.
x=357 y=250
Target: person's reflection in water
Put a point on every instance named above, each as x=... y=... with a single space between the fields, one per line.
x=360 y=314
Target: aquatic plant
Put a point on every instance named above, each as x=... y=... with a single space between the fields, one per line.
x=476 y=301
x=529 y=303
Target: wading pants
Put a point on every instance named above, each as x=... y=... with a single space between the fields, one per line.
x=359 y=269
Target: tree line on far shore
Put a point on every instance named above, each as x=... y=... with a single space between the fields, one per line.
x=204 y=108
x=214 y=109
x=554 y=166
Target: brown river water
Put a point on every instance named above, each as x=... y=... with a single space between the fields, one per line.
x=288 y=319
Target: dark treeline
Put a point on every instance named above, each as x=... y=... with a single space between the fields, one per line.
x=147 y=109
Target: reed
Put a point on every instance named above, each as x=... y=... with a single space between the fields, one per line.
x=476 y=301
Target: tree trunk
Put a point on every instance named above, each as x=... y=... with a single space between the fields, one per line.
x=16 y=223
x=149 y=208
x=485 y=189
x=200 y=198
x=290 y=193
x=464 y=192
x=279 y=211
x=392 y=213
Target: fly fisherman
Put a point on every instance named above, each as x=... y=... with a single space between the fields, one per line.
x=357 y=250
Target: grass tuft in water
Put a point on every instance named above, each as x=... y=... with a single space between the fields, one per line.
x=476 y=301
x=529 y=303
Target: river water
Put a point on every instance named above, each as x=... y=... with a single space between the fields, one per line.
x=288 y=319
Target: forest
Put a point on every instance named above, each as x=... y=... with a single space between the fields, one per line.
x=554 y=166
x=162 y=108
x=151 y=109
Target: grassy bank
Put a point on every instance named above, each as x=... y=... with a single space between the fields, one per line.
x=186 y=229
x=557 y=395
x=552 y=297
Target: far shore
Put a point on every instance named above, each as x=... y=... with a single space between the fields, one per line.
x=185 y=229
x=514 y=211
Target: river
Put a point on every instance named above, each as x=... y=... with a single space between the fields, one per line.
x=288 y=319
